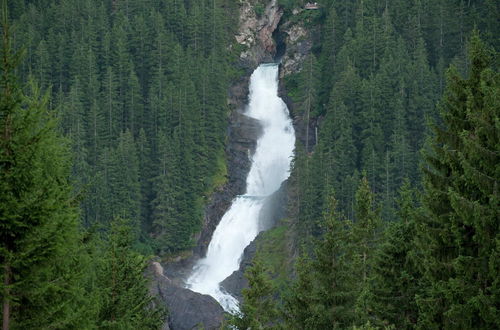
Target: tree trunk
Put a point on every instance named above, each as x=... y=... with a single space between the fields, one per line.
x=6 y=299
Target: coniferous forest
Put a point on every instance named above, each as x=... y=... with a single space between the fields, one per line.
x=114 y=121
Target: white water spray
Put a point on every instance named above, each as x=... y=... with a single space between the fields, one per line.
x=270 y=167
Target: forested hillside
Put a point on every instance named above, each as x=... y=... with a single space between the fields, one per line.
x=141 y=90
x=371 y=86
x=113 y=121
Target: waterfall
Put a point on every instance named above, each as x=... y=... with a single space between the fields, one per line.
x=269 y=168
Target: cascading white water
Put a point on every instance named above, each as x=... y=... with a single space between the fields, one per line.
x=270 y=167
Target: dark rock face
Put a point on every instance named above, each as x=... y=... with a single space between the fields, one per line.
x=187 y=309
x=255 y=33
x=236 y=282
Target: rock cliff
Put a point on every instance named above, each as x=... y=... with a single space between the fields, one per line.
x=298 y=43
x=256 y=29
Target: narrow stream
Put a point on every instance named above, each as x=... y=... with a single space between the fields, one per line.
x=270 y=167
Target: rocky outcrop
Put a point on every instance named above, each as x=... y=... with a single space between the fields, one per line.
x=298 y=41
x=186 y=309
x=298 y=46
x=236 y=282
x=255 y=32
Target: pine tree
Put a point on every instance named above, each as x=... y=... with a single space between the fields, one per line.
x=323 y=295
x=334 y=275
x=459 y=233
x=125 y=301
x=366 y=236
x=39 y=249
x=395 y=280
x=258 y=310
x=123 y=181
x=299 y=302
x=309 y=85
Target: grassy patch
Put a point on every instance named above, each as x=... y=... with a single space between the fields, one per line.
x=259 y=9
x=220 y=176
x=273 y=250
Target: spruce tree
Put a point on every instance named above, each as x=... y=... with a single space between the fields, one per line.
x=299 y=301
x=258 y=310
x=395 y=280
x=335 y=288
x=323 y=296
x=459 y=234
x=39 y=249
x=366 y=235
x=125 y=301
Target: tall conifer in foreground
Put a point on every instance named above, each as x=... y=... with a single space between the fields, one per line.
x=324 y=293
x=459 y=235
x=125 y=301
x=39 y=240
x=258 y=310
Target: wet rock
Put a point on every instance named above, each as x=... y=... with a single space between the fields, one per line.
x=243 y=133
x=236 y=282
x=187 y=309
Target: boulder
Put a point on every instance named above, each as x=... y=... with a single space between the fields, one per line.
x=186 y=309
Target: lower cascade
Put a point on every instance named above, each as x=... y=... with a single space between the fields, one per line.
x=270 y=167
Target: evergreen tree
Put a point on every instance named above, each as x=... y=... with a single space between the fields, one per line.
x=39 y=249
x=366 y=235
x=125 y=301
x=123 y=181
x=395 y=279
x=323 y=295
x=299 y=302
x=458 y=234
x=258 y=310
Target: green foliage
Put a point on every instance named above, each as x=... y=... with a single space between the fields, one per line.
x=258 y=310
x=458 y=234
x=259 y=9
x=429 y=267
x=395 y=279
x=124 y=299
x=54 y=276
x=40 y=249
x=324 y=293
x=129 y=78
